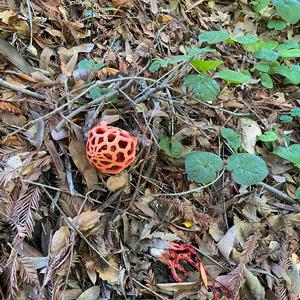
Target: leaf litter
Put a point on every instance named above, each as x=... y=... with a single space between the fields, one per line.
x=176 y=75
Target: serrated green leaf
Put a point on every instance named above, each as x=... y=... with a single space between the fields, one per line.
x=295 y=112
x=269 y=55
x=262 y=67
x=233 y=76
x=285 y=118
x=171 y=148
x=276 y=24
x=89 y=65
x=97 y=92
x=268 y=136
x=291 y=153
x=205 y=65
x=289 y=10
x=297 y=193
x=289 y=53
x=214 y=37
x=232 y=137
x=202 y=167
x=266 y=80
x=247 y=168
x=204 y=87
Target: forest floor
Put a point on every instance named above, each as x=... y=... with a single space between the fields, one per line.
x=208 y=209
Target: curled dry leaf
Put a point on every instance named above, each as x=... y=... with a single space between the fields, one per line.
x=77 y=151
x=87 y=220
x=116 y=182
x=250 y=130
x=108 y=273
x=59 y=240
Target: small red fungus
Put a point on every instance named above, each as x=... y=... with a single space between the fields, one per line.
x=110 y=150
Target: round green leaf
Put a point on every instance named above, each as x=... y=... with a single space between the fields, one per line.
x=266 y=80
x=246 y=39
x=262 y=67
x=214 y=37
x=276 y=24
x=233 y=138
x=204 y=87
x=202 y=166
x=205 y=65
x=233 y=76
x=289 y=53
x=295 y=112
x=269 y=55
x=291 y=153
x=268 y=136
x=247 y=168
x=285 y=118
x=297 y=193
x=289 y=10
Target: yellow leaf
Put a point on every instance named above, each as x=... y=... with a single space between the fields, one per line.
x=108 y=273
x=187 y=224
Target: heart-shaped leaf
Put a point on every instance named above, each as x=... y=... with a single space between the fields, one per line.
x=289 y=10
x=233 y=138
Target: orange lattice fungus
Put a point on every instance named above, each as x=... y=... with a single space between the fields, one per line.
x=110 y=150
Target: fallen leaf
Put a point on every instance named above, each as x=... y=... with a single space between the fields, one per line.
x=108 y=273
x=225 y=245
x=116 y=182
x=59 y=240
x=87 y=220
x=93 y=293
x=250 y=130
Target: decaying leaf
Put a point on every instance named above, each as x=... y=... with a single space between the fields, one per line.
x=250 y=130
x=116 y=182
x=59 y=240
x=87 y=220
x=108 y=273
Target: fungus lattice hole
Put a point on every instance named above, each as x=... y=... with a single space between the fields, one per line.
x=93 y=140
x=114 y=168
x=103 y=162
x=90 y=135
x=124 y=134
x=100 y=130
x=111 y=137
x=100 y=140
x=113 y=148
x=120 y=157
x=109 y=156
x=104 y=147
x=122 y=144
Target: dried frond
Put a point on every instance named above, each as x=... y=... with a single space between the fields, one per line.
x=9 y=278
x=27 y=273
x=280 y=290
x=150 y=280
x=57 y=288
x=9 y=107
x=203 y=220
x=249 y=247
x=70 y=205
x=236 y=279
x=21 y=217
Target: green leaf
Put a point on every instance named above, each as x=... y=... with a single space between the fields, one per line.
x=202 y=167
x=247 y=168
x=288 y=53
x=205 y=65
x=289 y=10
x=276 y=24
x=288 y=44
x=97 y=92
x=233 y=76
x=266 y=80
x=292 y=72
x=297 y=193
x=262 y=67
x=171 y=148
x=285 y=118
x=260 y=5
x=269 y=55
x=268 y=136
x=246 y=39
x=295 y=112
x=214 y=37
x=204 y=87
x=261 y=45
x=291 y=153
x=89 y=65
x=232 y=137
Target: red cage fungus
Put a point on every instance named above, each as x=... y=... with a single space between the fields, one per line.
x=110 y=150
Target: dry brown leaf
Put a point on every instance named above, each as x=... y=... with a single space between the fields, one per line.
x=250 y=130
x=10 y=107
x=91 y=294
x=116 y=182
x=77 y=152
x=203 y=276
x=87 y=220
x=108 y=273
x=59 y=240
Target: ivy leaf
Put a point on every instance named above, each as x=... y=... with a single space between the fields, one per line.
x=291 y=153
x=214 y=37
x=89 y=65
x=266 y=80
x=202 y=167
x=171 y=148
x=268 y=136
x=295 y=112
x=285 y=118
x=233 y=138
x=247 y=168
x=288 y=10
x=234 y=77
x=269 y=55
x=276 y=24
x=297 y=193
x=205 y=65
x=204 y=87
